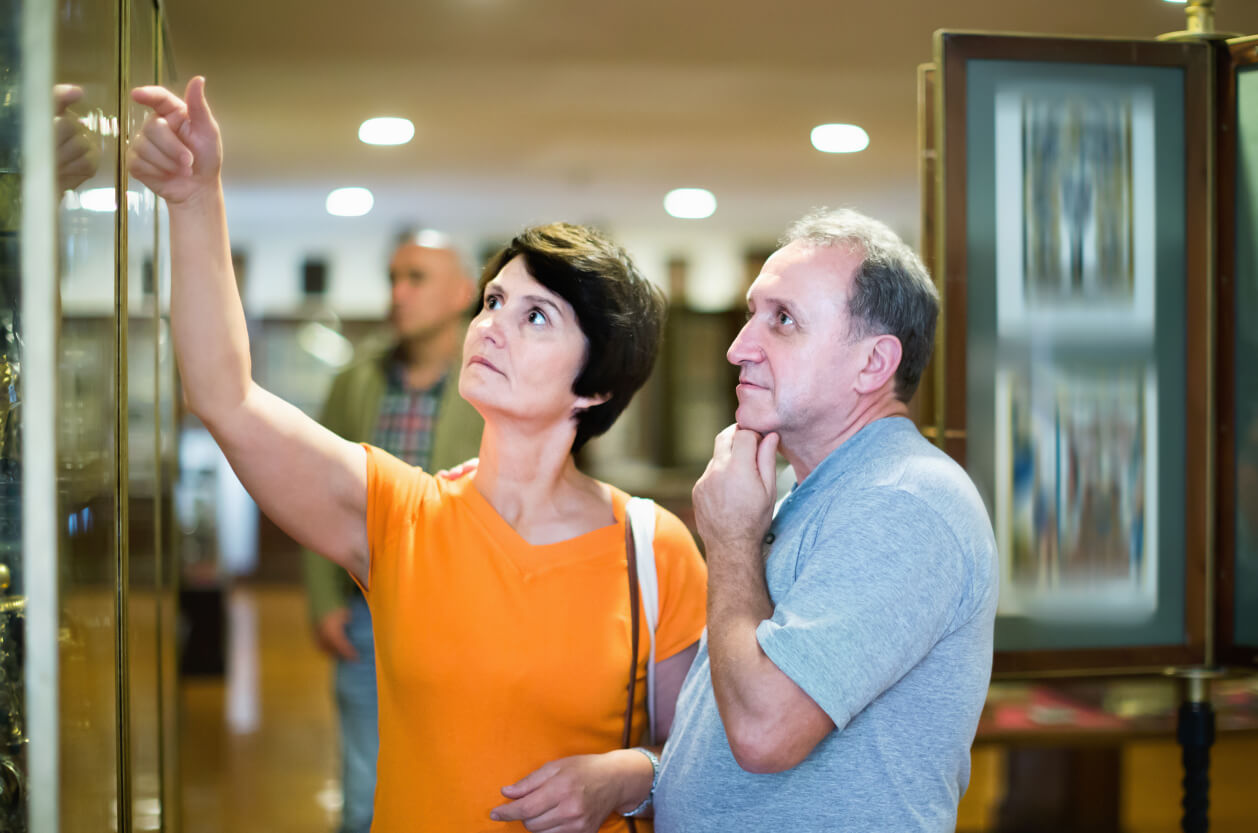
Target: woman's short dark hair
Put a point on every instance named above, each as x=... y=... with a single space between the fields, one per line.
x=620 y=312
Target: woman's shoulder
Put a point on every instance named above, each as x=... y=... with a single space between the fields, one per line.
x=394 y=482
x=670 y=531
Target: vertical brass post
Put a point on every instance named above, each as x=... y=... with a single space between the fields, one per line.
x=1200 y=16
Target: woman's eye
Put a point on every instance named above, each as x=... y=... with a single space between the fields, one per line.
x=536 y=316
x=492 y=302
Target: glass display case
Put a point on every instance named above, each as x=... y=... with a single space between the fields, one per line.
x=1239 y=619
x=1083 y=371
x=87 y=685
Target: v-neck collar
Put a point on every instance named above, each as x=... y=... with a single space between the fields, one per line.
x=536 y=558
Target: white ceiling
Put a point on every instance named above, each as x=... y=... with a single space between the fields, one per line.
x=532 y=110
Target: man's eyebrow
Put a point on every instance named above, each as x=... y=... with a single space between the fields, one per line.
x=771 y=301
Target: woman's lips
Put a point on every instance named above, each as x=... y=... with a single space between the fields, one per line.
x=486 y=362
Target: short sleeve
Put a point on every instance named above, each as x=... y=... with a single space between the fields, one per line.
x=879 y=586
x=683 y=583
x=395 y=493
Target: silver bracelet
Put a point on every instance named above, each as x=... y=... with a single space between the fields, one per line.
x=655 y=774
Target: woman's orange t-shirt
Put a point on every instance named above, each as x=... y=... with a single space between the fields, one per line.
x=494 y=656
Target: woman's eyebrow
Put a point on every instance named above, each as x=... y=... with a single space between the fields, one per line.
x=542 y=300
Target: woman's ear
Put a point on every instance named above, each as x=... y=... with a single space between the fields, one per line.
x=584 y=403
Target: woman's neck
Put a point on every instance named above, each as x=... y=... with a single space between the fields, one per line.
x=530 y=479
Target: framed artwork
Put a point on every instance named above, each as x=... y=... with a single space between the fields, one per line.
x=1076 y=497
x=1075 y=183
x=1069 y=219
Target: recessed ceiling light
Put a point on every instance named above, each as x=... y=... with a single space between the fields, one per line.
x=690 y=203
x=386 y=131
x=839 y=138
x=350 y=202
x=1181 y=2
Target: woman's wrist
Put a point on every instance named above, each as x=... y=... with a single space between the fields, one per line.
x=644 y=805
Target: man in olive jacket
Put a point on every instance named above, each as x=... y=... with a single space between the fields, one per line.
x=403 y=398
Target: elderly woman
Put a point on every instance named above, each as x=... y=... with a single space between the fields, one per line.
x=500 y=599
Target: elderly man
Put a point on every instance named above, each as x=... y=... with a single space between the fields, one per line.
x=404 y=399
x=849 y=639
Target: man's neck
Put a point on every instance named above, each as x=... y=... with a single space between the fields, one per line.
x=806 y=453
x=427 y=359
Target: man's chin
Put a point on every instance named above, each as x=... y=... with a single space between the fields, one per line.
x=751 y=421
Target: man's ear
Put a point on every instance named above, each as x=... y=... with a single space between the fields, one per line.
x=882 y=360
x=466 y=293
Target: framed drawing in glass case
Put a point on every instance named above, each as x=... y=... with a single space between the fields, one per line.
x=1070 y=213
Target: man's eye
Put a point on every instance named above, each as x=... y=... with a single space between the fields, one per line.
x=785 y=319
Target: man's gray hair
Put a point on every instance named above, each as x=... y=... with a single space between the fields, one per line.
x=891 y=291
x=430 y=238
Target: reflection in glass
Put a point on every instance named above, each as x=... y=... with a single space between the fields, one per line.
x=87 y=449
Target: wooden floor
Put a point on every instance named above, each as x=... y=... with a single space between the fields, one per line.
x=258 y=748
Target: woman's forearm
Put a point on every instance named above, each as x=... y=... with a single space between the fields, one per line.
x=207 y=319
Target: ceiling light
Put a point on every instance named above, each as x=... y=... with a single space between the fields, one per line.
x=350 y=202
x=690 y=203
x=386 y=131
x=1181 y=2
x=839 y=138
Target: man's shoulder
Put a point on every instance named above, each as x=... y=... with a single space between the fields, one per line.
x=897 y=475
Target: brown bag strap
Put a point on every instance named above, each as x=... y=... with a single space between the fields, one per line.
x=631 y=556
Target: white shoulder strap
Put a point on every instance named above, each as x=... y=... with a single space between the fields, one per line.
x=640 y=515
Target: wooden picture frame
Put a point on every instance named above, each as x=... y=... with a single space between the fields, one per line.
x=1237 y=574
x=980 y=79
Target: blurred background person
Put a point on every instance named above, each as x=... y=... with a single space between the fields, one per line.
x=402 y=397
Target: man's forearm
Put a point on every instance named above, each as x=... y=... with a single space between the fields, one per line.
x=738 y=601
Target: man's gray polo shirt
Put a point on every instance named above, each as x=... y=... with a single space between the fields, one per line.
x=883 y=574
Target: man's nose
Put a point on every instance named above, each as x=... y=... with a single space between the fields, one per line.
x=745 y=347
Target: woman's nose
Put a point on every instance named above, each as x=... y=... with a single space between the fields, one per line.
x=486 y=324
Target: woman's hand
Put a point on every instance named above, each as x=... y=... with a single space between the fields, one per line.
x=577 y=794
x=466 y=467
x=178 y=153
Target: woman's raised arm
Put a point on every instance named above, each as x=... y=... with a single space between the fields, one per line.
x=312 y=483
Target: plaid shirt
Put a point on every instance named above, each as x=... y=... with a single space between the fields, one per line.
x=404 y=427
